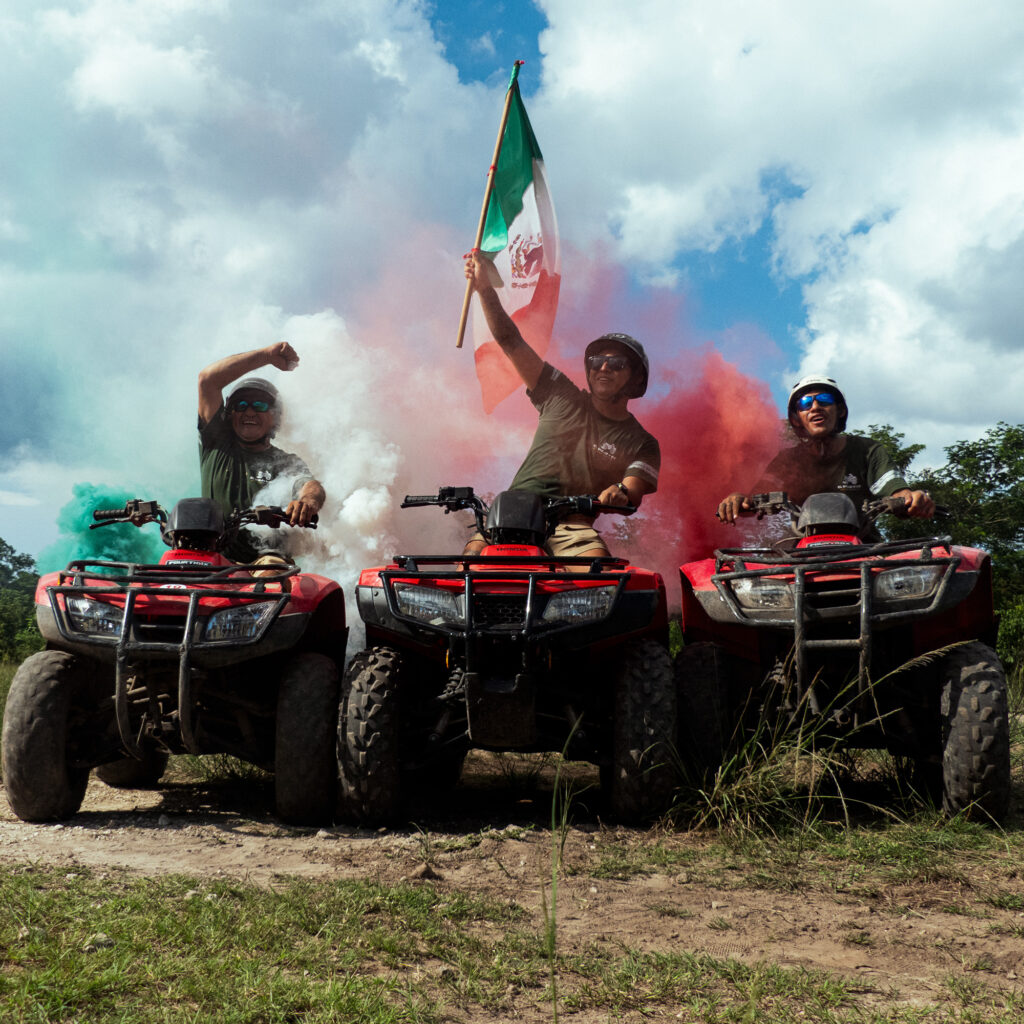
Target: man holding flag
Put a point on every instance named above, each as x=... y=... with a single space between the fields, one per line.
x=587 y=442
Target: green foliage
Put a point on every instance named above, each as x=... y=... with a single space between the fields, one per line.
x=982 y=487
x=902 y=455
x=19 y=636
x=1011 y=635
x=675 y=637
x=7 y=670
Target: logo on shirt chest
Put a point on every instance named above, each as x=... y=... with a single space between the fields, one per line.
x=261 y=476
x=606 y=450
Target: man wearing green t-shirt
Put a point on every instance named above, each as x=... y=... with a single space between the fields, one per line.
x=826 y=458
x=236 y=458
x=587 y=442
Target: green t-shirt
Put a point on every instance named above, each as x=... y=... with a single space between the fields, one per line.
x=233 y=475
x=863 y=469
x=576 y=450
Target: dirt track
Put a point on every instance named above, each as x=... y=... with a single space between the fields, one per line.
x=906 y=939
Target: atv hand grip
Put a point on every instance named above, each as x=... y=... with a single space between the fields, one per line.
x=101 y=514
x=622 y=510
x=419 y=499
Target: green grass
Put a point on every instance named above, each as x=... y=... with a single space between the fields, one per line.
x=178 y=949
x=108 y=947
x=79 y=946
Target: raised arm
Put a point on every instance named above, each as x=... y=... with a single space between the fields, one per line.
x=526 y=362
x=217 y=376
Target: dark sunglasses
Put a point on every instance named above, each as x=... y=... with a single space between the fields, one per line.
x=804 y=402
x=612 y=362
x=258 y=405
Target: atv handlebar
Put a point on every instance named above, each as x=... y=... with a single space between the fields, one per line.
x=773 y=502
x=135 y=511
x=769 y=503
x=586 y=505
x=139 y=512
x=266 y=515
x=453 y=499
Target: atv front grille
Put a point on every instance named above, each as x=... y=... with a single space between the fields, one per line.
x=822 y=595
x=160 y=631
x=497 y=611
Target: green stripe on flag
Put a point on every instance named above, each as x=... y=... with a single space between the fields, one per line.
x=513 y=175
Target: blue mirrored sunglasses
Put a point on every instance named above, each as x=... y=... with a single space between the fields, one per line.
x=804 y=402
x=258 y=405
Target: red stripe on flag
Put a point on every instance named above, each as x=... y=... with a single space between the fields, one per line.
x=498 y=378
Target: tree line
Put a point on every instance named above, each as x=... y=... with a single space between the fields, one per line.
x=982 y=488
x=19 y=636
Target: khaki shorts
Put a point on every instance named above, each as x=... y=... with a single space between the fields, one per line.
x=276 y=563
x=571 y=538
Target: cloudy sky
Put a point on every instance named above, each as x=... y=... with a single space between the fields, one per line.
x=789 y=186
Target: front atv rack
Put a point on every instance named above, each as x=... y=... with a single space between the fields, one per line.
x=814 y=602
x=128 y=582
x=478 y=569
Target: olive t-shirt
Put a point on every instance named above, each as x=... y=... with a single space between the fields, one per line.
x=576 y=450
x=233 y=475
x=863 y=469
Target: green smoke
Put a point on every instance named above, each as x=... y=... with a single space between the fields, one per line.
x=117 y=542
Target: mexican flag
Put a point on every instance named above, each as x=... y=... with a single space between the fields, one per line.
x=521 y=237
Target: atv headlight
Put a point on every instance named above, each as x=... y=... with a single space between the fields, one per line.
x=242 y=622
x=586 y=604
x=906 y=584
x=94 y=617
x=760 y=592
x=431 y=605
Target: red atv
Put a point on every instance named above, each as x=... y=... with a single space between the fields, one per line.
x=882 y=644
x=509 y=649
x=195 y=655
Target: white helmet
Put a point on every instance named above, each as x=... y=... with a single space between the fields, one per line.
x=817 y=380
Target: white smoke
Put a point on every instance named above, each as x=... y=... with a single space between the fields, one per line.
x=363 y=449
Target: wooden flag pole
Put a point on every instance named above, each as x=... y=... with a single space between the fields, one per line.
x=487 y=198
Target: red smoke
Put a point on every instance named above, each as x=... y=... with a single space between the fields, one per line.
x=717 y=426
x=717 y=429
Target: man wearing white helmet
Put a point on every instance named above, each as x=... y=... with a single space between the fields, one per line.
x=587 y=442
x=236 y=458
x=826 y=458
